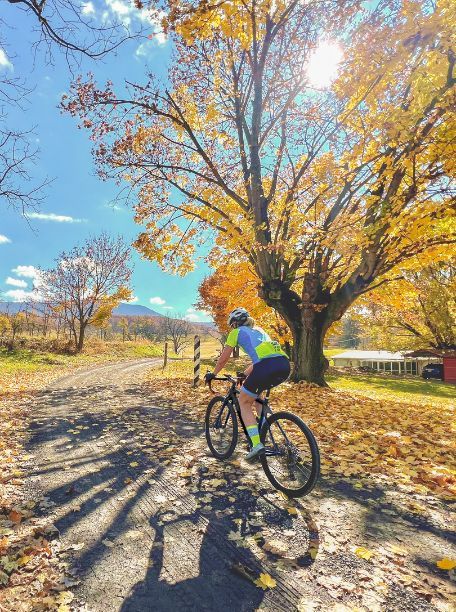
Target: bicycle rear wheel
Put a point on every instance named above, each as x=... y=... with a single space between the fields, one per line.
x=292 y=459
x=221 y=427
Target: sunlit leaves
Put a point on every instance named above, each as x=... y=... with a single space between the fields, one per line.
x=446 y=564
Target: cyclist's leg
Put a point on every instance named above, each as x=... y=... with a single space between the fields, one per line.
x=246 y=402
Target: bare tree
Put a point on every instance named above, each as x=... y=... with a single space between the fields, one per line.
x=88 y=282
x=59 y=25
x=178 y=330
x=17 y=185
x=64 y=25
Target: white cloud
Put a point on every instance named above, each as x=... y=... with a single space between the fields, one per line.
x=4 y=61
x=54 y=217
x=88 y=8
x=157 y=300
x=193 y=316
x=168 y=308
x=145 y=49
x=16 y=282
x=27 y=271
x=22 y=295
x=4 y=239
x=191 y=310
x=127 y=13
x=121 y=11
x=114 y=207
x=19 y=295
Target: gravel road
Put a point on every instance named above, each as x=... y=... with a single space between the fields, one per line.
x=151 y=522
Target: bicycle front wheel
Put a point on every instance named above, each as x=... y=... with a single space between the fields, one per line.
x=221 y=427
x=292 y=459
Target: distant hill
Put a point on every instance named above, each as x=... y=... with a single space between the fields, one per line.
x=135 y=310
x=123 y=310
x=12 y=307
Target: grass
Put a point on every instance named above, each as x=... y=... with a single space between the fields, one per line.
x=410 y=389
x=33 y=361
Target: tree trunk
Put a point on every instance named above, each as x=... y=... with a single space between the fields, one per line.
x=309 y=361
x=308 y=320
x=80 y=341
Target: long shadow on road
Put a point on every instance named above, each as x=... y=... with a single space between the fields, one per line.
x=109 y=465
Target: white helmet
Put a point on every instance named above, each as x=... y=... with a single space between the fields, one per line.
x=238 y=317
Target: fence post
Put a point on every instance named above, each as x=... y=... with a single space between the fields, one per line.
x=165 y=355
x=196 y=361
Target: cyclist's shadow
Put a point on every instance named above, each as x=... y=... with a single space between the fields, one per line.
x=196 y=564
x=197 y=571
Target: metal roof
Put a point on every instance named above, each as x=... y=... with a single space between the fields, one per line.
x=370 y=355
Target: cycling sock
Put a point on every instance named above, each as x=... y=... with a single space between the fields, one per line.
x=253 y=435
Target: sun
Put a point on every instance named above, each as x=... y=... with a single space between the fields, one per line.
x=323 y=64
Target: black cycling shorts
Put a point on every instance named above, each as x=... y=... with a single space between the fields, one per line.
x=267 y=373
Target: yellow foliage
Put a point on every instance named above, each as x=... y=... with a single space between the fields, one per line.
x=365 y=436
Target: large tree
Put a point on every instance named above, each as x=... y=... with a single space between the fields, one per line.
x=322 y=191
x=416 y=311
x=232 y=286
x=88 y=282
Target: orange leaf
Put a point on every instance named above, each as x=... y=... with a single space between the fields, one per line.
x=15 y=517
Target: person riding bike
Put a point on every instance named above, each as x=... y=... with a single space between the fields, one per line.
x=270 y=367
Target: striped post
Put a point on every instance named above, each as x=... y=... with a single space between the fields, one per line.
x=196 y=361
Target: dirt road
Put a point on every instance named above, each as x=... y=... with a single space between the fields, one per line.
x=151 y=522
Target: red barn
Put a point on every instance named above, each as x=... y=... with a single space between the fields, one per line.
x=449 y=368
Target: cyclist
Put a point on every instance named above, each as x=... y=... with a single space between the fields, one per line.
x=270 y=367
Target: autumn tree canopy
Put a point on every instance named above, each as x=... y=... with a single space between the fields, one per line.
x=231 y=286
x=323 y=192
x=417 y=311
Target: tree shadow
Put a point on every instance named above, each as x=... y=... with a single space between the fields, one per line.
x=100 y=453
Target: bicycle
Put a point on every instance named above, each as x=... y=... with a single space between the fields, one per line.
x=297 y=460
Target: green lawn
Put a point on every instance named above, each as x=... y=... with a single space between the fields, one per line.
x=403 y=388
x=25 y=360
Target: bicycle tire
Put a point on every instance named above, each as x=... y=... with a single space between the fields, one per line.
x=313 y=446
x=207 y=424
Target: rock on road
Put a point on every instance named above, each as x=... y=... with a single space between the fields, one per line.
x=144 y=534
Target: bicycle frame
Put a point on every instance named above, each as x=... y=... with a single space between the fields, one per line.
x=231 y=396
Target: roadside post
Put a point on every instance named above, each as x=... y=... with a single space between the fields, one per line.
x=196 y=361
x=165 y=355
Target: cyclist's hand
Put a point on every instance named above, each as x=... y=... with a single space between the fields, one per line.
x=208 y=377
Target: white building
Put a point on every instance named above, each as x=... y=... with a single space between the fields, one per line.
x=383 y=361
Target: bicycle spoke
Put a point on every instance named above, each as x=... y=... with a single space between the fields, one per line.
x=290 y=458
x=221 y=428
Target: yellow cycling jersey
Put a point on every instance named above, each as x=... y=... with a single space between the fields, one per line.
x=255 y=342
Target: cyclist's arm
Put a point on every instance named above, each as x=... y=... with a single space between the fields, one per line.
x=223 y=359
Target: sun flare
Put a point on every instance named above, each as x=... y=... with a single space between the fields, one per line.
x=324 y=63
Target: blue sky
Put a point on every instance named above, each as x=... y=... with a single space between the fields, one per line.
x=77 y=202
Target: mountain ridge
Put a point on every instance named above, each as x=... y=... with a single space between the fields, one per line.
x=123 y=310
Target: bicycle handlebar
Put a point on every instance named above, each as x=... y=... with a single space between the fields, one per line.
x=227 y=378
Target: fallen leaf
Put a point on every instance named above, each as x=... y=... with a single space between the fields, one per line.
x=134 y=464
x=446 y=564
x=108 y=543
x=15 y=517
x=265 y=581
x=364 y=553
x=24 y=560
